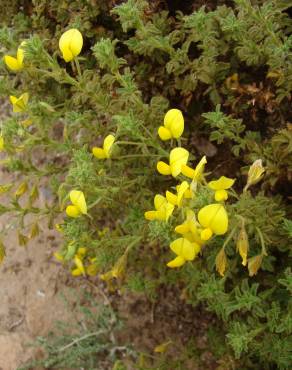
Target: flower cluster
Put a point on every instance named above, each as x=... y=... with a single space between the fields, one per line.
x=211 y=220
x=70 y=44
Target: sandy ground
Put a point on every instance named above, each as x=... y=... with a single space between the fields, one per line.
x=30 y=283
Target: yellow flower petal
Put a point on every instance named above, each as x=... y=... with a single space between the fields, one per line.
x=206 y=234
x=182 y=229
x=214 y=217
x=164 y=133
x=20 y=54
x=150 y=215
x=70 y=44
x=221 y=195
x=184 y=248
x=181 y=189
x=19 y=104
x=171 y=198
x=188 y=171
x=99 y=153
x=78 y=262
x=92 y=270
x=176 y=262
x=163 y=168
x=221 y=184
x=78 y=199
x=76 y=272
x=200 y=168
x=81 y=252
x=159 y=201
x=177 y=158
x=107 y=145
x=12 y=63
x=174 y=122
x=73 y=211
x=67 y=55
x=165 y=212
x=1 y=143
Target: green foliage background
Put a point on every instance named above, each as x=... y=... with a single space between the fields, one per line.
x=229 y=69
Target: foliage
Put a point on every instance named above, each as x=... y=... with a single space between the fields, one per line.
x=228 y=68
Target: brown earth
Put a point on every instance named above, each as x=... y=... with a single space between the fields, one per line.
x=29 y=282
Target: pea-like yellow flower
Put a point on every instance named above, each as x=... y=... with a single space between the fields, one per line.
x=1 y=143
x=183 y=191
x=92 y=269
x=15 y=64
x=78 y=205
x=78 y=260
x=214 y=219
x=190 y=228
x=185 y=251
x=19 y=104
x=255 y=173
x=105 y=151
x=70 y=44
x=118 y=270
x=163 y=209
x=220 y=186
x=177 y=158
x=197 y=173
x=79 y=269
x=173 y=125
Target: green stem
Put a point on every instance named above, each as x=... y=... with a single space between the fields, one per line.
x=264 y=251
x=78 y=68
x=227 y=240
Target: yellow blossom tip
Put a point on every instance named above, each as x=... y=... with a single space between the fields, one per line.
x=163 y=168
x=72 y=211
x=70 y=44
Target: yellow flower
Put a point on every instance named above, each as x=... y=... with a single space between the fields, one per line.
x=163 y=209
x=177 y=158
x=78 y=206
x=92 y=268
x=213 y=218
x=118 y=270
x=220 y=187
x=70 y=44
x=79 y=269
x=173 y=125
x=15 y=64
x=255 y=173
x=1 y=143
x=59 y=228
x=195 y=174
x=19 y=104
x=185 y=251
x=190 y=229
x=176 y=199
x=81 y=252
x=105 y=152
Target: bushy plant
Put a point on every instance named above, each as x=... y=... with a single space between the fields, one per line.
x=96 y=118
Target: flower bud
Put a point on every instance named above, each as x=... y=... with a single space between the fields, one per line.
x=255 y=173
x=242 y=245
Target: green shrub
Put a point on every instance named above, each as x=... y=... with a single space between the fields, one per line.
x=230 y=71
